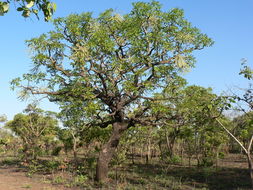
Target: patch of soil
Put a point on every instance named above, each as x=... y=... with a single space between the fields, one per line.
x=14 y=179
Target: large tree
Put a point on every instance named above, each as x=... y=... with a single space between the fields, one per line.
x=113 y=64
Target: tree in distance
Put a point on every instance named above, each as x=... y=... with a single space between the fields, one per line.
x=243 y=136
x=34 y=128
x=3 y=118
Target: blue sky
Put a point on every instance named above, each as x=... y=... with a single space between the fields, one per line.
x=228 y=22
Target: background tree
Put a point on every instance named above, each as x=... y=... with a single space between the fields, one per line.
x=185 y=120
x=245 y=125
x=8 y=142
x=242 y=128
x=75 y=133
x=200 y=126
x=171 y=118
x=74 y=122
x=33 y=128
x=114 y=64
x=3 y=118
x=28 y=7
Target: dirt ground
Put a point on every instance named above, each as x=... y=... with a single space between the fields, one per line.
x=234 y=169
x=13 y=179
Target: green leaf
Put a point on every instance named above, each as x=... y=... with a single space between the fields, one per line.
x=210 y=106
x=35 y=11
x=180 y=61
x=5 y=7
x=53 y=5
x=26 y=13
x=20 y=9
x=30 y=4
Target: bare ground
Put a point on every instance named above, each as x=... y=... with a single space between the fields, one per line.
x=14 y=179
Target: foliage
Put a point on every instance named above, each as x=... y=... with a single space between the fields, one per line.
x=3 y=118
x=126 y=70
x=35 y=129
x=246 y=71
x=28 y=7
x=243 y=127
x=243 y=103
x=113 y=65
x=75 y=133
x=188 y=119
x=111 y=62
x=79 y=180
x=7 y=141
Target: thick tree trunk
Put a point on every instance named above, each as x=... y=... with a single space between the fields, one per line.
x=108 y=150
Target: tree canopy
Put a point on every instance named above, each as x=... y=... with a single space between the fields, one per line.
x=114 y=65
x=113 y=61
x=33 y=128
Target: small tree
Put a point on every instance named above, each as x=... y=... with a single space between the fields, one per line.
x=113 y=64
x=8 y=142
x=200 y=126
x=183 y=117
x=74 y=122
x=33 y=128
x=246 y=98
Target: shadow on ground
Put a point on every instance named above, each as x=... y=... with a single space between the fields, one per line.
x=191 y=177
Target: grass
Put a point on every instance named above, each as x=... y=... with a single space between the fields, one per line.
x=162 y=176
x=152 y=176
x=26 y=186
x=9 y=161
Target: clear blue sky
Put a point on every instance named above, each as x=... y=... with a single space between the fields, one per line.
x=228 y=22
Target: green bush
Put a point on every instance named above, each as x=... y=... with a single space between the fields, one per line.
x=56 y=151
x=175 y=159
x=58 y=180
x=80 y=180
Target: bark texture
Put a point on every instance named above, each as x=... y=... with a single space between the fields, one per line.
x=108 y=150
x=250 y=166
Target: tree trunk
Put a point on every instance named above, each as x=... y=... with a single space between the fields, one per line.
x=246 y=151
x=141 y=155
x=108 y=150
x=189 y=161
x=161 y=150
x=250 y=166
x=182 y=155
x=74 y=146
x=148 y=154
x=75 y=153
x=133 y=154
x=170 y=145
